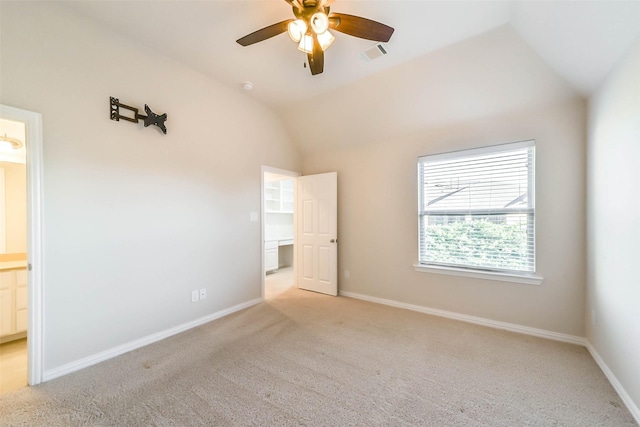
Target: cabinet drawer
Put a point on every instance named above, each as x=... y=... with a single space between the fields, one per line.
x=271 y=244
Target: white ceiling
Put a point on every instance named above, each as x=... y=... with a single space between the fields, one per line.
x=580 y=41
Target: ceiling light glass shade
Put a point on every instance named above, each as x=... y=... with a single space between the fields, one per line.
x=319 y=22
x=5 y=146
x=297 y=29
x=325 y=39
x=306 y=44
x=7 y=143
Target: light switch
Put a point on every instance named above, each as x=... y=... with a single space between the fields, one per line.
x=253 y=216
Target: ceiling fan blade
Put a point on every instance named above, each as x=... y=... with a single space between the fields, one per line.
x=316 y=59
x=264 y=33
x=360 y=27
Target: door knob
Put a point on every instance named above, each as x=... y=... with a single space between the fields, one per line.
x=333 y=240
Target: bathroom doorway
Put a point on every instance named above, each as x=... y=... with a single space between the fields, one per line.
x=13 y=256
x=20 y=248
x=278 y=225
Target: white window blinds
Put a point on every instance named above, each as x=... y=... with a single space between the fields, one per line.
x=477 y=208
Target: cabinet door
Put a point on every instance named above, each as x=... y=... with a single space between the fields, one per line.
x=21 y=321
x=271 y=259
x=21 y=301
x=21 y=289
x=7 y=279
x=7 y=312
x=21 y=277
x=21 y=298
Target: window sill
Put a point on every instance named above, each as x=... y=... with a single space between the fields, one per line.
x=479 y=274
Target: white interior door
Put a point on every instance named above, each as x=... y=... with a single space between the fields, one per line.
x=317 y=233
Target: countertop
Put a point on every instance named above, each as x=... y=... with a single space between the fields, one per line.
x=13 y=265
x=282 y=241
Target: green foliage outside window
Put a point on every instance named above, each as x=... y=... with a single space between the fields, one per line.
x=478 y=243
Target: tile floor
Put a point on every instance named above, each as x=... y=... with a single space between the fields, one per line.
x=13 y=365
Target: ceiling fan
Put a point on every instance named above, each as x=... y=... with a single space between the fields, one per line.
x=310 y=29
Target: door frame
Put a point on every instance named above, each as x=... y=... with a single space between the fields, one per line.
x=292 y=174
x=33 y=143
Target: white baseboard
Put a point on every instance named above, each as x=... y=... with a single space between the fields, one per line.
x=572 y=339
x=631 y=405
x=125 y=348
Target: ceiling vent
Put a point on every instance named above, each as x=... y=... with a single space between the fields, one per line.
x=373 y=52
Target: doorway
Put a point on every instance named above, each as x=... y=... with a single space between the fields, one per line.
x=20 y=248
x=278 y=236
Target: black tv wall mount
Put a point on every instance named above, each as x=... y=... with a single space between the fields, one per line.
x=150 y=119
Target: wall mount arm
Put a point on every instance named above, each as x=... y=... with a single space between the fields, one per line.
x=150 y=119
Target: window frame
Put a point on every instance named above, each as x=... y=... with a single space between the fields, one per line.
x=522 y=276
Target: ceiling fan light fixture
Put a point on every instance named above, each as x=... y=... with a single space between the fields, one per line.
x=309 y=26
x=297 y=29
x=325 y=39
x=306 y=44
x=319 y=22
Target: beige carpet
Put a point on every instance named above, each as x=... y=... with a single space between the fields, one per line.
x=309 y=359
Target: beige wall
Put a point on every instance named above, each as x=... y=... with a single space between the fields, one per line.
x=15 y=177
x=613 y=307
x=377 y=225
x=488 y=75
x=134 y=219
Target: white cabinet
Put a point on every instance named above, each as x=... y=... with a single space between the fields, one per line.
x=278 y=196
x=286 y=196
x=6 y=312
x=270 y=255
x=21 y=301
x=13 y=302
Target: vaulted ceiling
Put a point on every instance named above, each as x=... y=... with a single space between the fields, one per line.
x=529 y=47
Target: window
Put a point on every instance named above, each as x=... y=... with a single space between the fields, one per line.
x=476 y=209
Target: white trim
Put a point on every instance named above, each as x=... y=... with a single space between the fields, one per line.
x=35 y=231
x=150 y=339
x=628 y=401
x=269 y=169
x=478 y=151
x=512 y=327
x=479 y=274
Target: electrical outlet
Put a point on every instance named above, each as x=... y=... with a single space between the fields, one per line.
x=195 y=296
x=347 y=274
x=203 y=293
